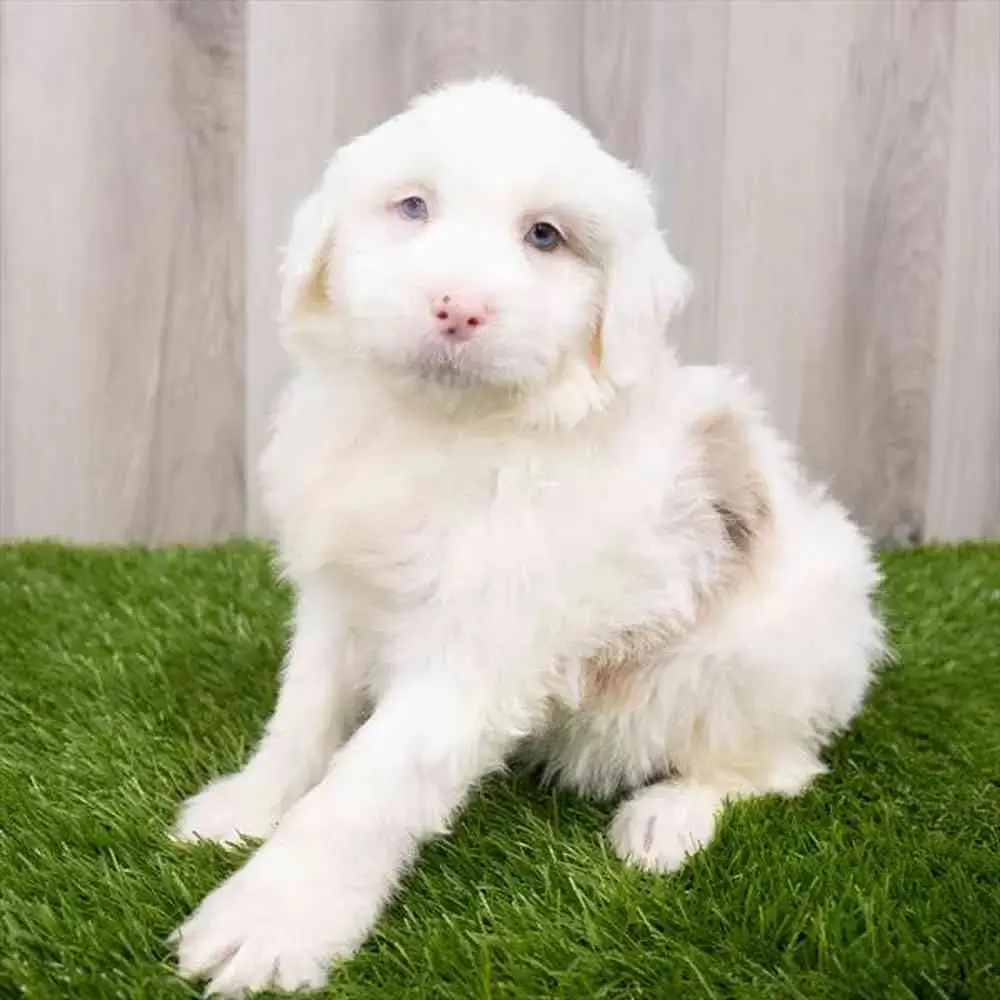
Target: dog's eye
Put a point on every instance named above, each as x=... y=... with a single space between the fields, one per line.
x=412 y=207
x=544 y=236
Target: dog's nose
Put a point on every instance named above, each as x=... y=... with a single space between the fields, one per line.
x=458 y=316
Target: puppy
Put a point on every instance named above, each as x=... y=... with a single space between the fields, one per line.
x=512 y=520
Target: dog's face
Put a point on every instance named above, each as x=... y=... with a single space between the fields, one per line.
x=482 y=237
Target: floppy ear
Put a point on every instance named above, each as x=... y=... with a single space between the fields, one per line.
x=644 y=288
x=304 y=294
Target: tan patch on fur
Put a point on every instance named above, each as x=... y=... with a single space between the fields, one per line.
x=597 y=346
x=314 y=299
x=738 y=490
x=741 y=515
x=739 y=504
x=610 y=673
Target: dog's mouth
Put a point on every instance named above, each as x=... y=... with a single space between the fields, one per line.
x=444 y=360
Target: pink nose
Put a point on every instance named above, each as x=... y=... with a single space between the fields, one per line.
x=458 y=316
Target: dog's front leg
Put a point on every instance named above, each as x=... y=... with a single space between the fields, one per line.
x=312 y=894
x=317 y=703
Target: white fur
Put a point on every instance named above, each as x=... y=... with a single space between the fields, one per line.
x=468 y=525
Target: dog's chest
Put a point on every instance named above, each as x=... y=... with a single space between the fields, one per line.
x=411 y=511
x=372 y=509
x=402 y=510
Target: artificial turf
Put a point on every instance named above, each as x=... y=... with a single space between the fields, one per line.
x=129 y=677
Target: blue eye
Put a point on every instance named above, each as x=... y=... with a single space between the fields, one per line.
x=544 y=236
x=413 y=207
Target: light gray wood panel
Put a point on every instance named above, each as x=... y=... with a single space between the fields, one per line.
x=684 y=149
x=964 y=463
x=835 y=194
x=782 y=195
x=122 y=273
x=899 y=107
x=898 y=113
x=828 y=170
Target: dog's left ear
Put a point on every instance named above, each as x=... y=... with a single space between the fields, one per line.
x=644 y=287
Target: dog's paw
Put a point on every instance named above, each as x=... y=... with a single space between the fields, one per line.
x=279 y=922
x=661 y=826
x=229 y=809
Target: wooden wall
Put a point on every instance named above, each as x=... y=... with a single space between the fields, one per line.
x=830 y=171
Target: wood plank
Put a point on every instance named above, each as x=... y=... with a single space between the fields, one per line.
x=122 y=270
x=781 y=238
x=839 y=207
x=896 y=170
x=836 y=182
x=963 y=498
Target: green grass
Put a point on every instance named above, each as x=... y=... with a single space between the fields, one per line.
x=127 y=678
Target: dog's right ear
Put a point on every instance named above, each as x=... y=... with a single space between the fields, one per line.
x=305 y=296
x=644 y=286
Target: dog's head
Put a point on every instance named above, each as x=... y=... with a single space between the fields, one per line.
x=482 y=238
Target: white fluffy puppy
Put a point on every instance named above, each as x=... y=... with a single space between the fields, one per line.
x=512 y=519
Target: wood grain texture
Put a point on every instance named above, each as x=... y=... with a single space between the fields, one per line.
x=835 y=195
x=828 y=170
x=963 y=481
x=781 y=243
x=898 y=117
x=684 y=149
x=123 y=330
